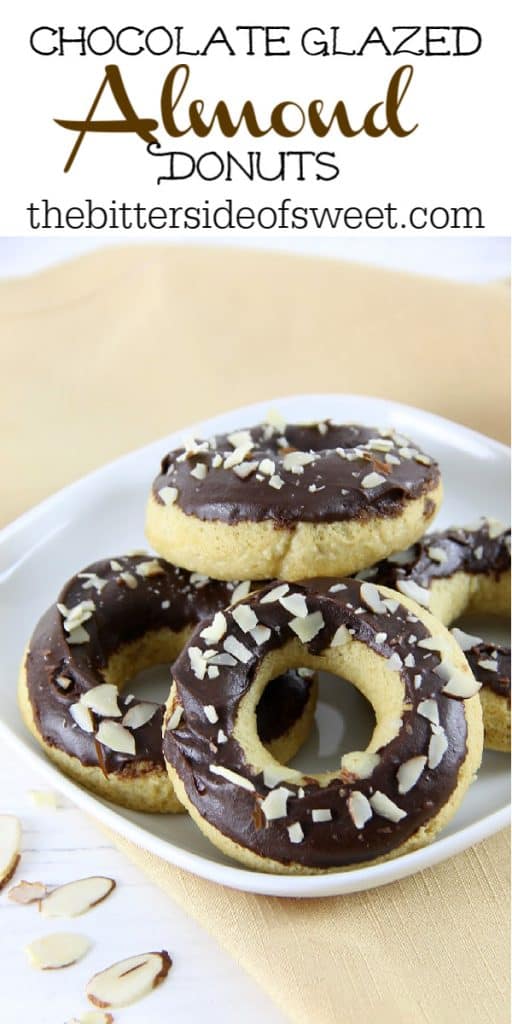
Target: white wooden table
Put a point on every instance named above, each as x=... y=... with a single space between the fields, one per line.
x=63 y=844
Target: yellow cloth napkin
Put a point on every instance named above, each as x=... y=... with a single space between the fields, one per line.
x=103 y=354
x=431 y=949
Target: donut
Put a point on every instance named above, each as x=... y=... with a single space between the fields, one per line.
x=490 y=664
x=113 y=619
x=291 y=500
x=452 y=572
x=389 y=799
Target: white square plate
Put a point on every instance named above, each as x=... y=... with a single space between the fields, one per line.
x=103 y=515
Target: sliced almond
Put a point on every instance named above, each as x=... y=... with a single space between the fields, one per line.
x=413 y=590
x=437 y=554
x=489 y=664
x=103 y=700
x=245 y=469
x=175 y=717
x=139 y=715
x=308 y=627
x=244 y=617
x=261 y=634
x=295 y=832
x=437 y=747
x=63 y=682
x=128 y=980
x=60 y=949
x=234 y=777
x=465 y=640
x=75 y=898
x=429 y=709
x=371 y=597
x=241 y=590
x=211 y=713
x=274 y=804
x=359 y=809
x=341 y=636
x=44 y=798
x=394 y=662
x=402 y=557
x=386 y=808
x=461 y=684
x=238 y=650
x=240 y=437
x=276 y=482
x=10 y=845
x=434 y=643
x=494 y=527
x=409 y=773
x=275 y=419
x=78 y=635
x=275 y=594
x=82 y=716
x=372 y=480
x=168 y=495
x=129 y=580
x=216 y=630
x=115 y=737
x=150 y=568
x=93 y=1017
x=295 y=604
x=267 y=466
x=319 y=814
x=27 y=892
x=197 y=662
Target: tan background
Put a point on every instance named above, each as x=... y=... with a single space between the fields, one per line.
x=101 y=355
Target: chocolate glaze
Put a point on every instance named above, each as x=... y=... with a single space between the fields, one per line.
x=126 y=609
x=478 y=550
x=236 y=812
x=466 y=549
x=499 y=681
x=344 y=456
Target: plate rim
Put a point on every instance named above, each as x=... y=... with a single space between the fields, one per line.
x=259 y=882
x=234 y=876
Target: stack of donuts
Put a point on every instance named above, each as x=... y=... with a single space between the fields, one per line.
x=282 y=550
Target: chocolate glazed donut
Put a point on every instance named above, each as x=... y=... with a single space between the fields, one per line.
x=112 y=620
x=389 y=799
x=291 y=500
x=459 y=570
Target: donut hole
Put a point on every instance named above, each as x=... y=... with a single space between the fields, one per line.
x=143 y=669
x=344 y=721
x=151 y=683
x=157 y=649
x=352 y=663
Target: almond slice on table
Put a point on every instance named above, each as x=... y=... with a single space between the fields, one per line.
x=60 y=949
x=75 y=898
x=93 y=1017
x=10 y=845
x=43 y=798
x=128 y=980
x=27 y=892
